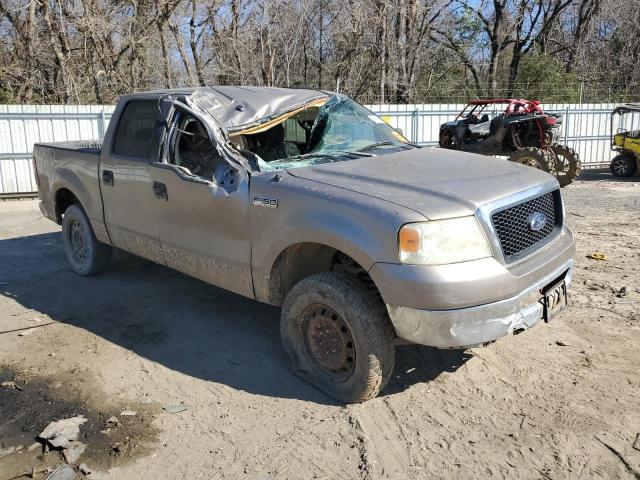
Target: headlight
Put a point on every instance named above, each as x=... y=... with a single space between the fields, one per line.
x=440 y=242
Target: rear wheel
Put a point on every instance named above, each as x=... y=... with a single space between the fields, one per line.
x=624 y=165
x=446 y=139
x=85 y=254
x=567 y=164
x=338 y=334
x=534 y=157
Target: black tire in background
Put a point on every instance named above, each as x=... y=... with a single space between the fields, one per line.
x=338 y=335
x=534 y=157
x=568 y=165
x=446 y=139
x=85 y=254
x=624 y=165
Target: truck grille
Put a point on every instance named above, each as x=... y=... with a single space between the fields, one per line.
x=512 y=224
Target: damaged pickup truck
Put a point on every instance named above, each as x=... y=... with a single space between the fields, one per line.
x=306 y=200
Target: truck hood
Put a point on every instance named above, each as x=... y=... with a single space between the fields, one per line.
x=436 y=183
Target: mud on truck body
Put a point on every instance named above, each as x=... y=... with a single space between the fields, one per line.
x=306 y=200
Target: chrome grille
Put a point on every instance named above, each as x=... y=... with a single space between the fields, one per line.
x=512 y=224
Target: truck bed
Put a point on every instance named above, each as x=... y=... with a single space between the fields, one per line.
x=84 y=146
x=72 y=166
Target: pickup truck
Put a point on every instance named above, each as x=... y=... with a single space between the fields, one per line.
x=306 y=200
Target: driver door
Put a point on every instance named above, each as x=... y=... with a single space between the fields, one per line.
x=202 y=205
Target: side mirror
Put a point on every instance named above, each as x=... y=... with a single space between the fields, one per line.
x=400 y=131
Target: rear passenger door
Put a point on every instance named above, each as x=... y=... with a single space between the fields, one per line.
x=130 y=207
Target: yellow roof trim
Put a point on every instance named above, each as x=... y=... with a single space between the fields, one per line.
x=275 y=121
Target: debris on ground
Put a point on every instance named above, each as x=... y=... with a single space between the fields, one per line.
x=113 y=421
x=175 y=408
x=60 y=434
x=62 y=472
x=84 y=469
x=128 y=413
x=73 y=452
x=10 y=451
x=597 y=256
x=25 y=333
x=561 y=344
x=34 y=446
x=591 y=285
x=11 y=384
x=622 y=292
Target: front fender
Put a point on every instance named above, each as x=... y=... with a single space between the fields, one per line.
x=333 y=230
x=362 y=227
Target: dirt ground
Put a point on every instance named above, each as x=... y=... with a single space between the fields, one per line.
x=559 y=401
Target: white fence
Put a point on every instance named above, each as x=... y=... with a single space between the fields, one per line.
x=585 y=127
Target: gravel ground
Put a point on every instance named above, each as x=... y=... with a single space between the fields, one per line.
x=559 y=401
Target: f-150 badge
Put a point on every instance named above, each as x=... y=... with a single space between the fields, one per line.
x=265 y=201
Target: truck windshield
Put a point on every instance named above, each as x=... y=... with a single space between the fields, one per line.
x=342 y=130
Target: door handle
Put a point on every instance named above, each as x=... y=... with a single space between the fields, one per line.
x=160 y=190
x=107 y=177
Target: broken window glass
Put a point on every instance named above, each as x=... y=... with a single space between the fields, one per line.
x=342 y=130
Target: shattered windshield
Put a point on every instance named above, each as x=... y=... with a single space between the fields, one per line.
x=342 y=130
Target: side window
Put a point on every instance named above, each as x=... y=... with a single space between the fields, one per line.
x=192 y=149
x=136 y=129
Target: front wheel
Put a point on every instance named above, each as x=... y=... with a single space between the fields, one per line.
x=567 y=164
x=534 y=157
x=85 y=254
x=624 y=165
x=339 y=337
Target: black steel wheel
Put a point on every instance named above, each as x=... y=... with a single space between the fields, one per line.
x=328 y=340
x=85 y=254
x=624 y=165
x=337 y=332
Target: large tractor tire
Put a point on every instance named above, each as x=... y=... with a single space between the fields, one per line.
x=337 y=332
x=624 y=165
x=534 y=157
x=567 y=164
x=85 y=254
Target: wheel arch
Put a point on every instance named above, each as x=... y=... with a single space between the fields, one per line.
x=303 y=259
x=69 y=189
x=63 y=198
x=69 y=185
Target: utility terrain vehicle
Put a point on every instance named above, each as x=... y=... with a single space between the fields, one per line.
x=626 y=141
x=522 y=131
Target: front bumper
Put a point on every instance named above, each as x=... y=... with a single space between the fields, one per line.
x=436 y=307
x=472 y=326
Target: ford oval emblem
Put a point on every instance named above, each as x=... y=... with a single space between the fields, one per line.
x=537 y=221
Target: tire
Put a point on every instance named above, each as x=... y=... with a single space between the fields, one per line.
x=567 y=164
x=624 y=165
x=445 y=139
x=85 y=254
x=534 y=157
x=337 y=310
